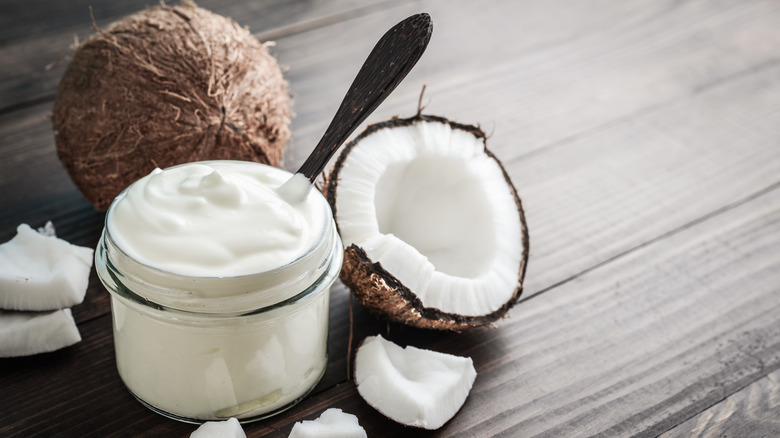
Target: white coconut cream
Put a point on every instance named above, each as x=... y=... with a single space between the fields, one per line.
x=219 y=289
x=214 y=219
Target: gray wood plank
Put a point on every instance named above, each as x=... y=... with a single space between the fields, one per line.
x=590 y=199
x=754 y=411
x=29 y=167
x=21 y=19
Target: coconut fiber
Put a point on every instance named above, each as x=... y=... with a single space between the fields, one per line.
x=165 y=86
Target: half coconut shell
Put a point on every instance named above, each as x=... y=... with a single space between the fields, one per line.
x=434 y=229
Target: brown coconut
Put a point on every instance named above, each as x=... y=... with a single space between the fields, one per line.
x=165 y=86
x=377 y=289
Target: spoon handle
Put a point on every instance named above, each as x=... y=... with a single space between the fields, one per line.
x=386 y=66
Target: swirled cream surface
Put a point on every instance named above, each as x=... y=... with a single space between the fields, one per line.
x=214 y=218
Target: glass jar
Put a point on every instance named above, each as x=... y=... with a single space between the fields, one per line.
x=210 y=348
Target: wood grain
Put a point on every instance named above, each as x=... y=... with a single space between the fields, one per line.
x=29 y=144
x=591 y=199
x=753 y=411
x=542 y=72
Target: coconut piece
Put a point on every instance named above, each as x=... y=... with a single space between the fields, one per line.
x=415 y=387
x=433 y=227
x=333 y=423
x=229 y=428
x=28 y=333
x=42 y=272
x=48 y=230
x=165 y=86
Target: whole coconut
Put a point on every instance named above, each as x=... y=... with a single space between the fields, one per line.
x=165 y=86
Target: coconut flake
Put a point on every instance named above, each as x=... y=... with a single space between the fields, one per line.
x=48 y=230
x=415 y=387
x=333 y=423
x=230 y=428
x=28 y=333
x=39 y=271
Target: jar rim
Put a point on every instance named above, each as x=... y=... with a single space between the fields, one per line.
x=116 y=281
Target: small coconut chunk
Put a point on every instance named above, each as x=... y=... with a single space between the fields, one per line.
x=414 y=387
x=28 y=333
x=333 y=423
x=48 y=230
x=219 y=429
x=39 y=271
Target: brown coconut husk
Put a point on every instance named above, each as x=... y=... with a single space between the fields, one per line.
x=165 y=86
x=382 y=293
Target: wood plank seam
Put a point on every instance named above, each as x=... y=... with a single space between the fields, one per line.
x=741 y=410
x=729 y=397
x=40 y=100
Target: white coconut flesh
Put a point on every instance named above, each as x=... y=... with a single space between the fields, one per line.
x=39 y=271
x=230 y=428
x=415 y=387
x=333 y=423
x=28 y=333
x=432 y=207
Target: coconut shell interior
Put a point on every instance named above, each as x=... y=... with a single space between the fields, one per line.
x=165 y=86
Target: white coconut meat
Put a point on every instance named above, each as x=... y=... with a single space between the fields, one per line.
x=415 y=387
x=333 y=423
x=39 y=271
x=230 y=428
x=426 y=201
x=28 y=333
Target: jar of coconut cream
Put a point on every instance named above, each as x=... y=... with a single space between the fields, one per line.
x=219 y=290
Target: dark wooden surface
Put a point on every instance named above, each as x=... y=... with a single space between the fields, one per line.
x=643 y=137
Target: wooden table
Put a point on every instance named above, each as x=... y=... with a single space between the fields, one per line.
x=643 y=138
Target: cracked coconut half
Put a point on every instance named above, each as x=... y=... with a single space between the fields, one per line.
x=433 y=228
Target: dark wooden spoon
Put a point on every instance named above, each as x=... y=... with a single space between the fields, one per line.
x=386 y=66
